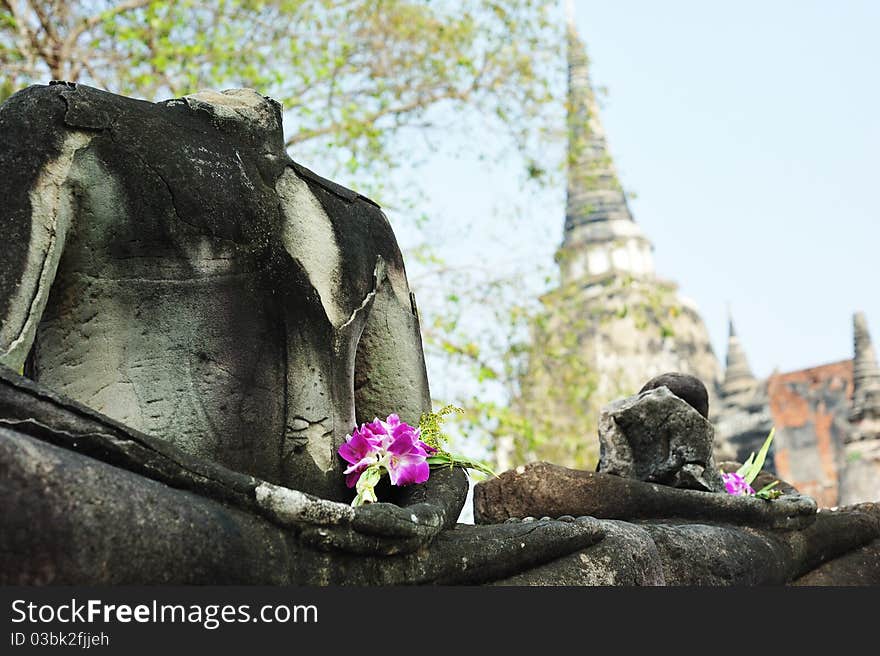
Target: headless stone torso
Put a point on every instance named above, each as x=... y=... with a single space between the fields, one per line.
x=204 y=295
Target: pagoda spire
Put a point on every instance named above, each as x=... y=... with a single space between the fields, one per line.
x=600 y=233
x=594 y=192
x=738 y=374
x=866 y=374
x=859 y=479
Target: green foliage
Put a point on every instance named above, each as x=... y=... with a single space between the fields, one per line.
x=432 y=434
x=534 y=394
x=768 y=493
x=444 y=459
x=349 y=73
x=431 y=426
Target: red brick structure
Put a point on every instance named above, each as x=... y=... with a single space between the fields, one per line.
x=810 y=409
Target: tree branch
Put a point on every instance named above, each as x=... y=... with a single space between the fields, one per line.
x=450 y=94
x=92 y=21
x=30 y=45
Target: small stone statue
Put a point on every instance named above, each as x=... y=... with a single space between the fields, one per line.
x=660 y=437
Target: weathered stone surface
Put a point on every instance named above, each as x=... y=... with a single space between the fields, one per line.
x=95 y=523
x=30 y=409
x=546 y=489
x=739 y=541
x=688 y=388
x=809 y=409
x=859 y=567
x=657 y=437
x=713 y=554
x=627 y=556
x=202 y=320
x=192 y=305
x=87 y=522
x=74 y=520
x=170 y=267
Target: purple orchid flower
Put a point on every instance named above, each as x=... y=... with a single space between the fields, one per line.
x=736 y=484
x=392 y=445
x=407 y=458
x=362 y=449
x=392 y=424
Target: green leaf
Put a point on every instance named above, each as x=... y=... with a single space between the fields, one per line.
x=758 y=463
x=746 y=466
x=444 y=459
x=767 y=487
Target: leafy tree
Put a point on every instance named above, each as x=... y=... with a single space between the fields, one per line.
x=359 y=80
x=350 y=73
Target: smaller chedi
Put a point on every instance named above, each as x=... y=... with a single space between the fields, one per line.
x=828 y=434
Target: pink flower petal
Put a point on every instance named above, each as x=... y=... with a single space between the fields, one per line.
x=407 y=470
x=357 y=448
x=352 y=478
x=404 y=442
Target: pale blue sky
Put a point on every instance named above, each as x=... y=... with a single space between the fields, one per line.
x=750 y=133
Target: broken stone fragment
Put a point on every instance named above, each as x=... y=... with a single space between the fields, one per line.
x=657 y=437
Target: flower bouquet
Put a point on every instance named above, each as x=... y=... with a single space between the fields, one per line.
x=405 y=453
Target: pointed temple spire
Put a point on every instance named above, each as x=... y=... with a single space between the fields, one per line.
x=594 y=192
x=866 y=373
x=860 y=478
x=600 y=233
x=738 y=375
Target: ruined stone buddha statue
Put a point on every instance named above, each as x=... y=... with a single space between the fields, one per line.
x=191 y=323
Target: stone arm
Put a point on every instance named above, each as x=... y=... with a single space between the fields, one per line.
x=383 y=324
x=36 y=154
x=390 y=377
x=30 y=409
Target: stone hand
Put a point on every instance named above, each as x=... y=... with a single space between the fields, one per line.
x=418 y=514
x=377 y=528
